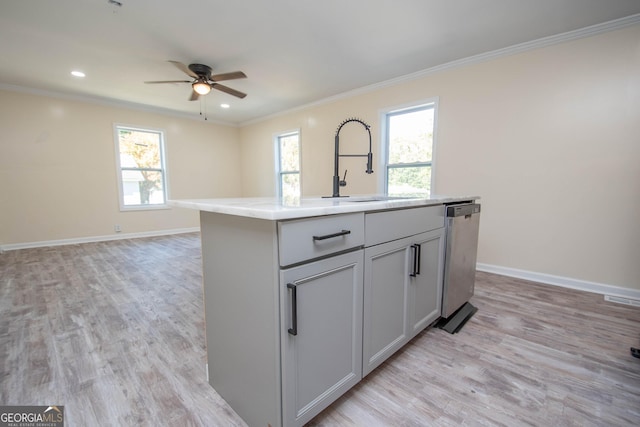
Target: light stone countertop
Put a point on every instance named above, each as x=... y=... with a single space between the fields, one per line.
x=272 y=208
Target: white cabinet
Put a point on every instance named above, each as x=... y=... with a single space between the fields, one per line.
x=310 y=238
x=386 y=292
x=321 y=334
x=297 y=311
x=425 y=289
x=402 y=279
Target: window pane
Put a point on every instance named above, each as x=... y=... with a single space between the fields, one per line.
x=288 y=167
x=411 y=136
x=142 y=187
x=289 y=153
x=410 y=181
x=139 y=149
x=290 y=184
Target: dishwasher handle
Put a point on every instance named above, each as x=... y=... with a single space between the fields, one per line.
x=466 y=209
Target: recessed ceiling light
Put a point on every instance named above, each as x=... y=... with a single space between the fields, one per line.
x=225 y=105
x=77 y=73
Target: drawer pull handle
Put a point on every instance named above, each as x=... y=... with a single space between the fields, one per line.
x=330 y=236
x=293 y=330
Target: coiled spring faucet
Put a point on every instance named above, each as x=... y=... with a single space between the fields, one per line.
x=337 y=182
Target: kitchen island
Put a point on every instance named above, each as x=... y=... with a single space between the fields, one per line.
x=302 y=300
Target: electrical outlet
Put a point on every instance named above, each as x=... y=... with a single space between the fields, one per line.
x=117 y=228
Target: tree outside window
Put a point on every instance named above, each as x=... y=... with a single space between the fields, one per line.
x=141 y=167
x=409 y=148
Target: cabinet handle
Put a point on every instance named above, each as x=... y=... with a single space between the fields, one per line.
x=329 y=236
x=416 y=259
x=293 y=330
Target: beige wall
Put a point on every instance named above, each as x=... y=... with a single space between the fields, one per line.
x=58 y=172
x=549 y=138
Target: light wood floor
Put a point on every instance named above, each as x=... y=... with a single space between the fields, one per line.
x=115 y=332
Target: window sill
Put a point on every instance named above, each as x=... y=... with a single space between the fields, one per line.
x=144 y=208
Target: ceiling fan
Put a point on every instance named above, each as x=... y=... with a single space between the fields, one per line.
x=203 y=81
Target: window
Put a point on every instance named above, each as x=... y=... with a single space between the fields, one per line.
x=141 y=170
x=408 y=145
x=288 y=166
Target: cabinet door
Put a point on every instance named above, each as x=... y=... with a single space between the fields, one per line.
x=386 y=287
x=425 y=289
x=321 y=329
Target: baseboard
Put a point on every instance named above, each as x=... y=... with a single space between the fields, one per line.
x=565 y=282
x=75 y=241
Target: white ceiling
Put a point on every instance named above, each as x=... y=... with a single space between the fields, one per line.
x=294 y=52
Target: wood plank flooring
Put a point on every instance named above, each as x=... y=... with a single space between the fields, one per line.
x=115 y=332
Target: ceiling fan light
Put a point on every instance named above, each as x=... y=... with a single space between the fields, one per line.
x=201 y=88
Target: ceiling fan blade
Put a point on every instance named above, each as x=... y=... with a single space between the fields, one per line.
x=184 y=69
x=228 y=76
x=194 y=96
x=169 y=81
x=228 y=90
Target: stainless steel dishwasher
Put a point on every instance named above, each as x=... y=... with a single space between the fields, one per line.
x=462 y=226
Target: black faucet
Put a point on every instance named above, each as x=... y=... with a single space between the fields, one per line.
x=337 y=182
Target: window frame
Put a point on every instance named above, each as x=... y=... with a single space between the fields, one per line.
x=278 y=161
x=119 y=169
x=383 y=182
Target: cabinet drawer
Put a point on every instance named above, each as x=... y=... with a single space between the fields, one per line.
x=305 y=239
x=391 y=225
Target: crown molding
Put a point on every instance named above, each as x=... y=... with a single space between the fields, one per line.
x=107 y=102
x=592 y=30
